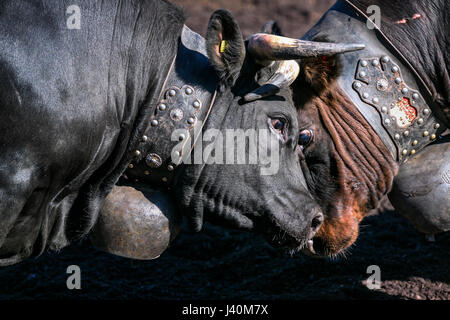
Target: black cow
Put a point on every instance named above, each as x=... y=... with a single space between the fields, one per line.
x=377 y=117
x=93 y=90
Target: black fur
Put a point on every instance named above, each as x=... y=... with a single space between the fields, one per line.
x=71 y=114
x=425 y=41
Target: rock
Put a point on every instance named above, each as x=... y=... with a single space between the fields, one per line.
x=137 y=224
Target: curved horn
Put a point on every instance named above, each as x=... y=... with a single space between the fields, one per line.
x=284 y=76
x=267 y=48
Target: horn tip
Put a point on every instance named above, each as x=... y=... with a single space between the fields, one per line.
x=356 y=46
x=249 y=97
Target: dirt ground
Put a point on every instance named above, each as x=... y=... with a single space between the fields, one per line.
x=295 y=17
x=218 y=263
x=227 y=264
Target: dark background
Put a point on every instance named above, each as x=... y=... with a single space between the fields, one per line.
x=227 y=264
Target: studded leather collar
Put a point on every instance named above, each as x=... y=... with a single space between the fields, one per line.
x=186 y=101
x=381 y=84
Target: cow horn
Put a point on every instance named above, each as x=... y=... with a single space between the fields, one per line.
x=266 y=48
x=284 y=76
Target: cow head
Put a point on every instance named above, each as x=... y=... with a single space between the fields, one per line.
x=347 y=167
x=263 y=188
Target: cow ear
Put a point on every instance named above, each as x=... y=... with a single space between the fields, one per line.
x=319 y=73
x=272 y=27
x=225 y=46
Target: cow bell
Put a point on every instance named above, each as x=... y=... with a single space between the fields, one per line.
x=137 y=224
x=421 y=190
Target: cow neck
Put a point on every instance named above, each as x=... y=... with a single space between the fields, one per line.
x=183 y=107
x=379 y=81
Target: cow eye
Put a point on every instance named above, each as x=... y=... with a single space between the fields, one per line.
x=305 y=137
x=278 y=124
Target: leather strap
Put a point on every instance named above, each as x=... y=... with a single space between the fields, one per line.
x=185 y=104
x=380 y=84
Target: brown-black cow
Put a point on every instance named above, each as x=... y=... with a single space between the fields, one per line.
x=373 y=122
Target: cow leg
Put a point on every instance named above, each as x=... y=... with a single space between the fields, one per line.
x=16 y=187
x=12 y=200
x=421 y=190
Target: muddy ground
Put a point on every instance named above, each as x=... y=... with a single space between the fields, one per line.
x=218 y=263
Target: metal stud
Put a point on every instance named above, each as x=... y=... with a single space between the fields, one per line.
x=146 y=172
x=413 y=152
x=362 y=74
x=425 y=133
x=162 y=107
x=414 y=142
x=170 y=167
x=357 y=85
x=176 y=114
x=144 y=138
x=153 y=160
x=406 y=133
x=404 y=90
x=196 y=104
x=415 y=96
x=384 y=109
x=172 y=92
x=397 y=136
x=177 y=154
x=375 y=100
x=394 y=69
x=137 y=153
x=191 y=120
x=365 y=95
x=131 y=166
x=387 y=121
x=426 y=111
x=188 y=91
x=374 y=63
x=164 y=179
x=433 y=136
x=405 y=152
x=154 y=122
x=382 y=85
x=385 y=59
x=398 y=80
x=420 y=121
x=181 y=137
x=437 y=125
x=364 y=63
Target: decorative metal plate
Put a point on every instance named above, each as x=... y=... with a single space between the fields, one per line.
x=404 y=113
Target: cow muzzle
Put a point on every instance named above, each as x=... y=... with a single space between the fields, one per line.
x=287 y=236
x=335 y=235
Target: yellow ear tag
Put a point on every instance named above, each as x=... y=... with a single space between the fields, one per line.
x=223 y=46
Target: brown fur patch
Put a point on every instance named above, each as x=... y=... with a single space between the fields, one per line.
x=365 y=168
x=319 y=72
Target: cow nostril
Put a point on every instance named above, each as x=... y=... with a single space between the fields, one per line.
x=316 y=223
